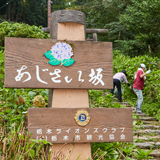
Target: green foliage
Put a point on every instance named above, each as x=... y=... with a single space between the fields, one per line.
x=152 y=109
x=133 y=25
x=104 y=99
x=115 y=150
x=14 y=104
x=128 y=150
x=151 y=90
x=158 y=114
x=103 y=14
x=1 y=67
x=141 y=21
x=141 y=154
x=17 y=144
x=20 y=30
x=31 y=12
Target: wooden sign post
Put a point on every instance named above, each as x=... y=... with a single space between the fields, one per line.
x=69 y=65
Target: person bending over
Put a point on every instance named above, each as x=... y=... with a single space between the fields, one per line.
x=117 y=79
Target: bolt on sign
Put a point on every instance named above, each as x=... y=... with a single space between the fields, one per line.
x=81 y=125
x=46 y=63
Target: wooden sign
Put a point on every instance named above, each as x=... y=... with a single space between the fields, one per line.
x=36 y=63
x=79 y=125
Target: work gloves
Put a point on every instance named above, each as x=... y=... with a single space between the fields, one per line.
x=148 y=71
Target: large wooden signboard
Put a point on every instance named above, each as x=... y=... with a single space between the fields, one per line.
x=26 y=66
x=81 y=125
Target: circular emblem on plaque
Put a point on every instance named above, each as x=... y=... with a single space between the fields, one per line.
x=82 y=117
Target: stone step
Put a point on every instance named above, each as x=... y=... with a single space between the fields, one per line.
x=123 y=103
x=156 y=153
x=145 y=119
x=147 y=131
x=147 y=145
x=146 y=138
x=148 y=126
x=147 y=122
x=139 y=116
x=152 y=122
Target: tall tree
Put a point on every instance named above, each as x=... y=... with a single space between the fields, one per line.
x=36 y=12
x=142 y=25
x=133 y=24
x=32 y=12
x=104 y=14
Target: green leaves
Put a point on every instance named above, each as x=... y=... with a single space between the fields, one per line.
x=31 y=94
x=141 y=154
x=48 y=54
x=68 y=62
x=41 y=141
x=32 y=153
x=55 y=62
x=141 y=23
x=65 y=62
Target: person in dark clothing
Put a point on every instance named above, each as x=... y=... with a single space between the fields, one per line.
x=117 y=79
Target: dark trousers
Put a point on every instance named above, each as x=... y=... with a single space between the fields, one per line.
x=117 y=83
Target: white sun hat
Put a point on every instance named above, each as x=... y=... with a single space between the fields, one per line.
x=142 y=65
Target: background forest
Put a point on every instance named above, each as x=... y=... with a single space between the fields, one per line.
x=133 y=24
x=134 y=29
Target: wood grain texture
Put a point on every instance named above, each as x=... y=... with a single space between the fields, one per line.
x=71 y=151
x=70 y=98
x=104 y=122
x=30 y=52
x=74 y=33
x=66 y=16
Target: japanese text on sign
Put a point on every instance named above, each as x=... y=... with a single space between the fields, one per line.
x=95 y=77
x=89 y=133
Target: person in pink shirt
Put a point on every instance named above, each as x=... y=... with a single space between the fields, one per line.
x=117 y=78
x=138 y=85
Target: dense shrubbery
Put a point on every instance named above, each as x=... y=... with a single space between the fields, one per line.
x=20 y=30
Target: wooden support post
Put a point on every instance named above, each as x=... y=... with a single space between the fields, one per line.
x=69 y=25
x=49 y=12
x=95 y=36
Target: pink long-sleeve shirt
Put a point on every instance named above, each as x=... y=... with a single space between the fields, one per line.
x=121 y=77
